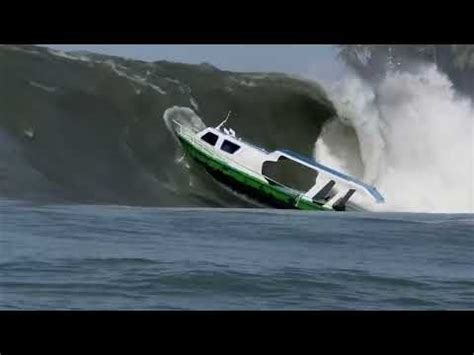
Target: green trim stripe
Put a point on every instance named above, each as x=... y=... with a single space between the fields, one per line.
x=281 y=194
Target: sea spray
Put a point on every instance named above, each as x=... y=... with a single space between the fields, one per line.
x=184 y=116
x=187 y=118
x=414 y=139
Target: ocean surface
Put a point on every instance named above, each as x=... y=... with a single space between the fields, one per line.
x=56 y=256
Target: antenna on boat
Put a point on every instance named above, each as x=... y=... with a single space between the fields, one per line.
x=220 y=124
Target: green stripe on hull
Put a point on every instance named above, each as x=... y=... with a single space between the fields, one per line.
x=279 y=196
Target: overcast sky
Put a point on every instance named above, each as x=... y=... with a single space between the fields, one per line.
x=311 y=61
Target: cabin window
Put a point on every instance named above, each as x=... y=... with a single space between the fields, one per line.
x=229 y=147
x=210 y=138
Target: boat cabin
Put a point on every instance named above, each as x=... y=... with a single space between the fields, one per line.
x=319 y=183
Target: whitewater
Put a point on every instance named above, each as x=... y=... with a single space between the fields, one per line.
x=409 y=134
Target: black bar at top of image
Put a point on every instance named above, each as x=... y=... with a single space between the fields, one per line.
x=237 y=23
x=256 y=38
x=317 y=35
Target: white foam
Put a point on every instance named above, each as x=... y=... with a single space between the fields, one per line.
x=183 y=115
x=248 y=83
x=65 y=55
x=20 y=48
x=193 y=103
x=134 y=78
x=42 y=86
x=415 y=137
x=171 y=80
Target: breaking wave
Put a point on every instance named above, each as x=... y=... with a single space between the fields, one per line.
x=96 y=129
x=410 y=134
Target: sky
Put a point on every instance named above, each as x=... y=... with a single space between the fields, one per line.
x=318 y=62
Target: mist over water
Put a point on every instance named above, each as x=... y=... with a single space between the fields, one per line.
x=409 y=134
x=184 y=116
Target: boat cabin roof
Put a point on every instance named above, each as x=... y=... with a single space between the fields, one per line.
x=307 y=161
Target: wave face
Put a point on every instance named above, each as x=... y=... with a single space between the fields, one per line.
x=409 y=132
x=88 y=128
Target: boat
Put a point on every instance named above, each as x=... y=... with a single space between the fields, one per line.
x=280 y=178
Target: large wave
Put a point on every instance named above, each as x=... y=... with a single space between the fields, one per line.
x=81 y=127
x=409 y=133
x=91 y=128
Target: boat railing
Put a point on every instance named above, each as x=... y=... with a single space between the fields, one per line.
x=183 y=128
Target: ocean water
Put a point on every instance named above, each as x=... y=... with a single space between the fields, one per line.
x=55 y=256
x=103 y=150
